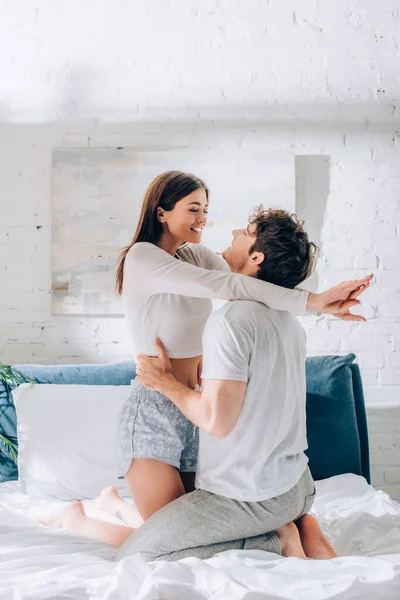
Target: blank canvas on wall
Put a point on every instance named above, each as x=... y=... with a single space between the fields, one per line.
x=97 y=195
x=94 y=212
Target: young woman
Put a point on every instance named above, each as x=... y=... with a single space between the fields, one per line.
x=167 y=280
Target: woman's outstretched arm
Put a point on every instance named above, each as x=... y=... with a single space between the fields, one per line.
x=150 y=270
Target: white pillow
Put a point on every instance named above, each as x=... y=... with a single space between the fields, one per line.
x=67 y=438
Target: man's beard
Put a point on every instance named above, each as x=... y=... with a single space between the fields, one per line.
x=236 y=262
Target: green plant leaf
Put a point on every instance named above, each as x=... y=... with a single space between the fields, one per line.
x=10 y=377
x=11 y=448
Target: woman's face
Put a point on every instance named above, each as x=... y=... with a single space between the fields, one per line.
x=186 y=221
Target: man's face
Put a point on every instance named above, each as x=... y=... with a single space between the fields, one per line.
x=238 y=254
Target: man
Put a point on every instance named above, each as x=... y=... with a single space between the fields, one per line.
x=252 y=482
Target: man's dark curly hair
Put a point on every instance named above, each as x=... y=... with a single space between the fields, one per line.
x=289 y=256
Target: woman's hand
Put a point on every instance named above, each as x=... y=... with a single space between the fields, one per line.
x=151 y=372
x=340 y=299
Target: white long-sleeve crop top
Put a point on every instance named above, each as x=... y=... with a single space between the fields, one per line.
x=170 y=297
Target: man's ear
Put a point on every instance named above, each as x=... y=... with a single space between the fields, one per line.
x=256 y=258
x=160 y=215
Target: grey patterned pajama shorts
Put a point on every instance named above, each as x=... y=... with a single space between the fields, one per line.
x=150 y=426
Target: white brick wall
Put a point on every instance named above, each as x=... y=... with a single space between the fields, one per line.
x=304 y=78
x=384 y=433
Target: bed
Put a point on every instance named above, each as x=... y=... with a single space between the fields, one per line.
x=362 y=523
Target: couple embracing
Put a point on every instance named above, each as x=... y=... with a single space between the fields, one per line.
x=211 y=440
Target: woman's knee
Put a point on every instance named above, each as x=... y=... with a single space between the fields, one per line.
x=153 y=484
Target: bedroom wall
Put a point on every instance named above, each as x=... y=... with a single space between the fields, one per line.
x=311 y=79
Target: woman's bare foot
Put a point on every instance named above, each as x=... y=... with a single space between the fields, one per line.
x=108 y=501
x=73 y=518
x=290 y=541
x=313 y=540
x=69 y=517
x=111 y=502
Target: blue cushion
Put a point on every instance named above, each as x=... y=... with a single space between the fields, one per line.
x=104 y=374
x=362 y=426
x=332 y=429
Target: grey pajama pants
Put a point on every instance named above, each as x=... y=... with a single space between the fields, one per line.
x=202 y=524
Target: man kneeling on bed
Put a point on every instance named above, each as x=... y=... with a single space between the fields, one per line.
x=253 y=486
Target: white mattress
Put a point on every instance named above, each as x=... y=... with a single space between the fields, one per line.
x=362 y=523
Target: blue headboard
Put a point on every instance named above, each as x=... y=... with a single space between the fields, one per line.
x=336 y=421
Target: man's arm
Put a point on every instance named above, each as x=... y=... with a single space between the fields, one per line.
x=216 y=409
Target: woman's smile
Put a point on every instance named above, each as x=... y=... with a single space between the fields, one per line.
x=197 y=229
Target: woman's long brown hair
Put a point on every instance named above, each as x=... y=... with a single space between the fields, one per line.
x=164 y=192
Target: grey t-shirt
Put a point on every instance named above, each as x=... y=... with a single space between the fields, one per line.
x=263 y=456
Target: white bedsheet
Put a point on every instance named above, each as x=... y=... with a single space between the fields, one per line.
x=363 y=524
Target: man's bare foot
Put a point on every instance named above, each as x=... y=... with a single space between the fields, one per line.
x=290 y=541
x=69 y=517
x=313 y=540
x=108 y=501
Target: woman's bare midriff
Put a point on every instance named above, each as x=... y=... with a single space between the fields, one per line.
x=187 y=370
